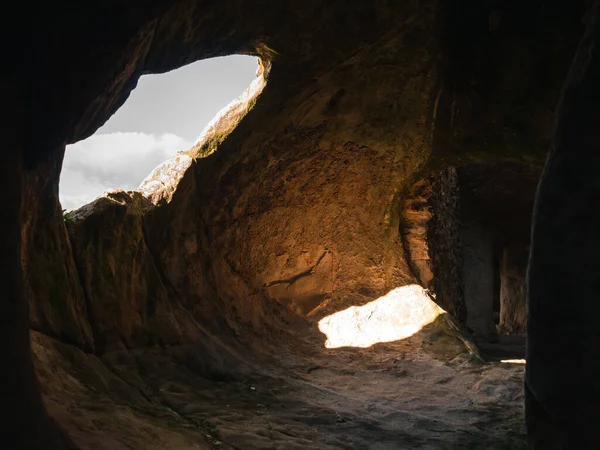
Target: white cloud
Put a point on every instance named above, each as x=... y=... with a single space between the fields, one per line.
x=108 y=161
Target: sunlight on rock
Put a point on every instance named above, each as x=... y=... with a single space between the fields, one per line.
x=163 y=180
x=228 y=117
x=513 y=361
x=397 y=315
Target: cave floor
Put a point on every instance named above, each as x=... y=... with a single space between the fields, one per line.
x=505 y=347
x=419 y=393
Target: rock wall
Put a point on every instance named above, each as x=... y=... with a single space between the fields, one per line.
x=27 y=424
x=415 y=222
x=430 y=228
x=128 y=303
x=513 y=290
x=478 y=269
x=562 y=395
x=57 y=304
x=303 y=213
x=446 y=244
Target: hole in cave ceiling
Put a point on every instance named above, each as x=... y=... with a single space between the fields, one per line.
x=165 y=113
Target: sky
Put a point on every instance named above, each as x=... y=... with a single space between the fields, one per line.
x=165 y=113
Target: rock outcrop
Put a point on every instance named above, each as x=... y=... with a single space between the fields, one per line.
x=127 y=301
x=430 y=228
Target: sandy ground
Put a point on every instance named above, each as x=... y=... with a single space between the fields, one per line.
x=286 y=392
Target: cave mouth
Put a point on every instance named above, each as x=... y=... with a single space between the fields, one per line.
x=165 y=114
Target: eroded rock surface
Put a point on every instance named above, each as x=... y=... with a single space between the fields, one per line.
x=561 y=403
x=128 y=303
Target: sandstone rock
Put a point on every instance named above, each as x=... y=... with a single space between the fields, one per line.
x=57 y=304
x=562 y=396
x=478 y=269
x=128 y=303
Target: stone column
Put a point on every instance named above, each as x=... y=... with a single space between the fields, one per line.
x=513 y=307
x=478 y=270
x=563 y=343
x=25 y=424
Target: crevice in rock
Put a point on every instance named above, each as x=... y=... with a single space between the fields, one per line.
x=291 y=280
x=222 y=278
x=60 y=337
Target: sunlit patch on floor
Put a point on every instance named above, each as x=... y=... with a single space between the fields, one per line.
x=399 y=314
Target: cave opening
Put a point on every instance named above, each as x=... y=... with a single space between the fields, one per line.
x=465 y=236
x=165 y=114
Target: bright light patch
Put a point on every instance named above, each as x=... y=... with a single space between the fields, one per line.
x=105 y=161
x=513 y=361
x=239 y=103
x=397 y=315
x=161 y=117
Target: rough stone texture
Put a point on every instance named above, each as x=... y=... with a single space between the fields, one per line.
x=445 y=241
x=430 y=229
x=503 y=80
x=415 y=221
x=27 y=424
x=335 y=399
x=127 y=302
x=56 y=301
x=478 y=269
x=513 y=292
x=286 y=199
x=102 y=408
x=563 y=280
x=499 y=197
x=293 y=218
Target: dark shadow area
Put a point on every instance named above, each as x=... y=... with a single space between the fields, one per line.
x=496 y=210
x=471 y=224
x=504 y=347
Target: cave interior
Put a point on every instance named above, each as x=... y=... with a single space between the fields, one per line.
x=388 y=241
